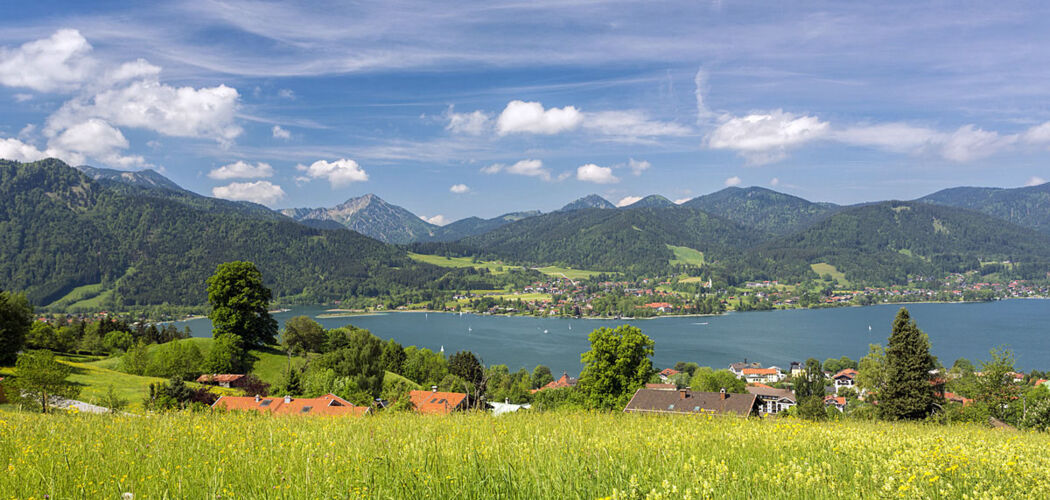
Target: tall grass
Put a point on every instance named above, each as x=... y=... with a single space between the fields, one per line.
x=554 y=455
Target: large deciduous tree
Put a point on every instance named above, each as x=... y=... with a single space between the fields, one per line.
x=618 y=364
x=239 y=303
x=360 y=360
x=302 y=334
x=908 y=393
x=16 y=316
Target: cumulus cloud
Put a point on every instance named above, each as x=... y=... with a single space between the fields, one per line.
x=630 y=124
x=628 y=200
x=897 y=137
x=459 y=188
x=473 y=123
x=529 y=168
x=97 y=139
x=280 y=133
x=762 y=138
x=242 y=170
x=60 y=62
x=133 y=70
x=16 y=150
x=1035 y=181
x=286 y=94
x=530 y=117
x=596 y=174
x=1039 y=134
x=338 y=173
x=733 y=181
x=263 y=192
x=679 y=201
x=638 y=166
x=437 y=220
x=148 y=104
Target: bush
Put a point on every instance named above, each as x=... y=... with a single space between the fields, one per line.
x=175 y=359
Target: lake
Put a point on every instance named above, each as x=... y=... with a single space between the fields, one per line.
x=772 y=338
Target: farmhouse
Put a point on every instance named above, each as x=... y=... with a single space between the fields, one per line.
x=738 y=368
x=667 y=373
x=773 y=401
x=761 y=375
x=327 y=405
x=689 y=402
x=433 y=402
x=223 y=379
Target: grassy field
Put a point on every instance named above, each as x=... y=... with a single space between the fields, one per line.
x=686 y=256
x=567 y=272
x=553 y=455
x=83 y=297
x=441 y=261
x=823 y=268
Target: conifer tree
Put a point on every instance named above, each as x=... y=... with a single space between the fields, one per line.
x=908 y=393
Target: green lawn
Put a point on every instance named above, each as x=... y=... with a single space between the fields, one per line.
x=823 y=268
x=496 y=267
x=686 y=256
x=567 y=272
x=83 y=297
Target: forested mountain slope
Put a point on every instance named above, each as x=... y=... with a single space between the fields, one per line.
x=1026 y=206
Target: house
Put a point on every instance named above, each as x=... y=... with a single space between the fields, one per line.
x=773 y=401
x=561 y=383
x=667 y=373
x=844 y=378
x=796 y=368
x=660 y=306
x=327 y=405
x=955 y=398
x=838 y=402
x=1038 y=383
x=223 y=379
x=506 y=407
x=738 y=368
x=687 y=402
x=761 y=375
x=661 y=387
x=433 y=402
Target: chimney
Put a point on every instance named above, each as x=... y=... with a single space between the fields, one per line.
x=433 y=388
x=287 y=398
x=256 y=398
x=722 y=393
x=682 y=393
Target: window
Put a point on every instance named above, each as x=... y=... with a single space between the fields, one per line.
x=670 y=407
x=265 y=403
x=306 y=409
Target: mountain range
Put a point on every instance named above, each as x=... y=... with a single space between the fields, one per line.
x=143 y=239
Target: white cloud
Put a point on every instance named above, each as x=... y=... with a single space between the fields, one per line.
x=280 y=133
x=897 y=137
x=60 y=62
x=596 y=174
x=437 y=220
x=971 y=143
x=263 y=192
x=630 y=124
x=700 y=83
x=22 y=97
x=1039 y=134
x=627 y=200
x=762 y=138
x=134 y=70
x=774 y=181
x=286 y=94
x=339 y=173
x=638 y=166
x=473 y=123
x=733 y=181
x=242 y=170
x=97 y=139
x=181 y=112
x=529 y=168
x=679 y=201
x=1035 y=181
x=16 y=150
x=530 y=117
x=459 y=188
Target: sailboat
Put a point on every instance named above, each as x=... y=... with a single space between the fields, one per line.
x=545 y=331
x=869 y=328
x=469 y=329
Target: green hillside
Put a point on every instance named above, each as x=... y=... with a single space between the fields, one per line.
x=1026 y=206
x=763 y=209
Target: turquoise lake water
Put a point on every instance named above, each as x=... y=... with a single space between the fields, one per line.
x=772 y=338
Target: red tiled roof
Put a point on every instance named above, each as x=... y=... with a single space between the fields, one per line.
x=759 y=371
x=657 y=305
x=329 y=404
x=756 y=384
x=839 y=400
x=669 y=372
x=848 y=373
x=436 y=403
x=219 y=378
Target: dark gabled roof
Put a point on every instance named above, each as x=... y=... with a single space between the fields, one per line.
x=771 y=392
x=694 y=402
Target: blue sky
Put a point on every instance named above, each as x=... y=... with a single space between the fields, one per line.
x=458 y=109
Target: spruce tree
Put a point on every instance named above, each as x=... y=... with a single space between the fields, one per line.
x=908 y=393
